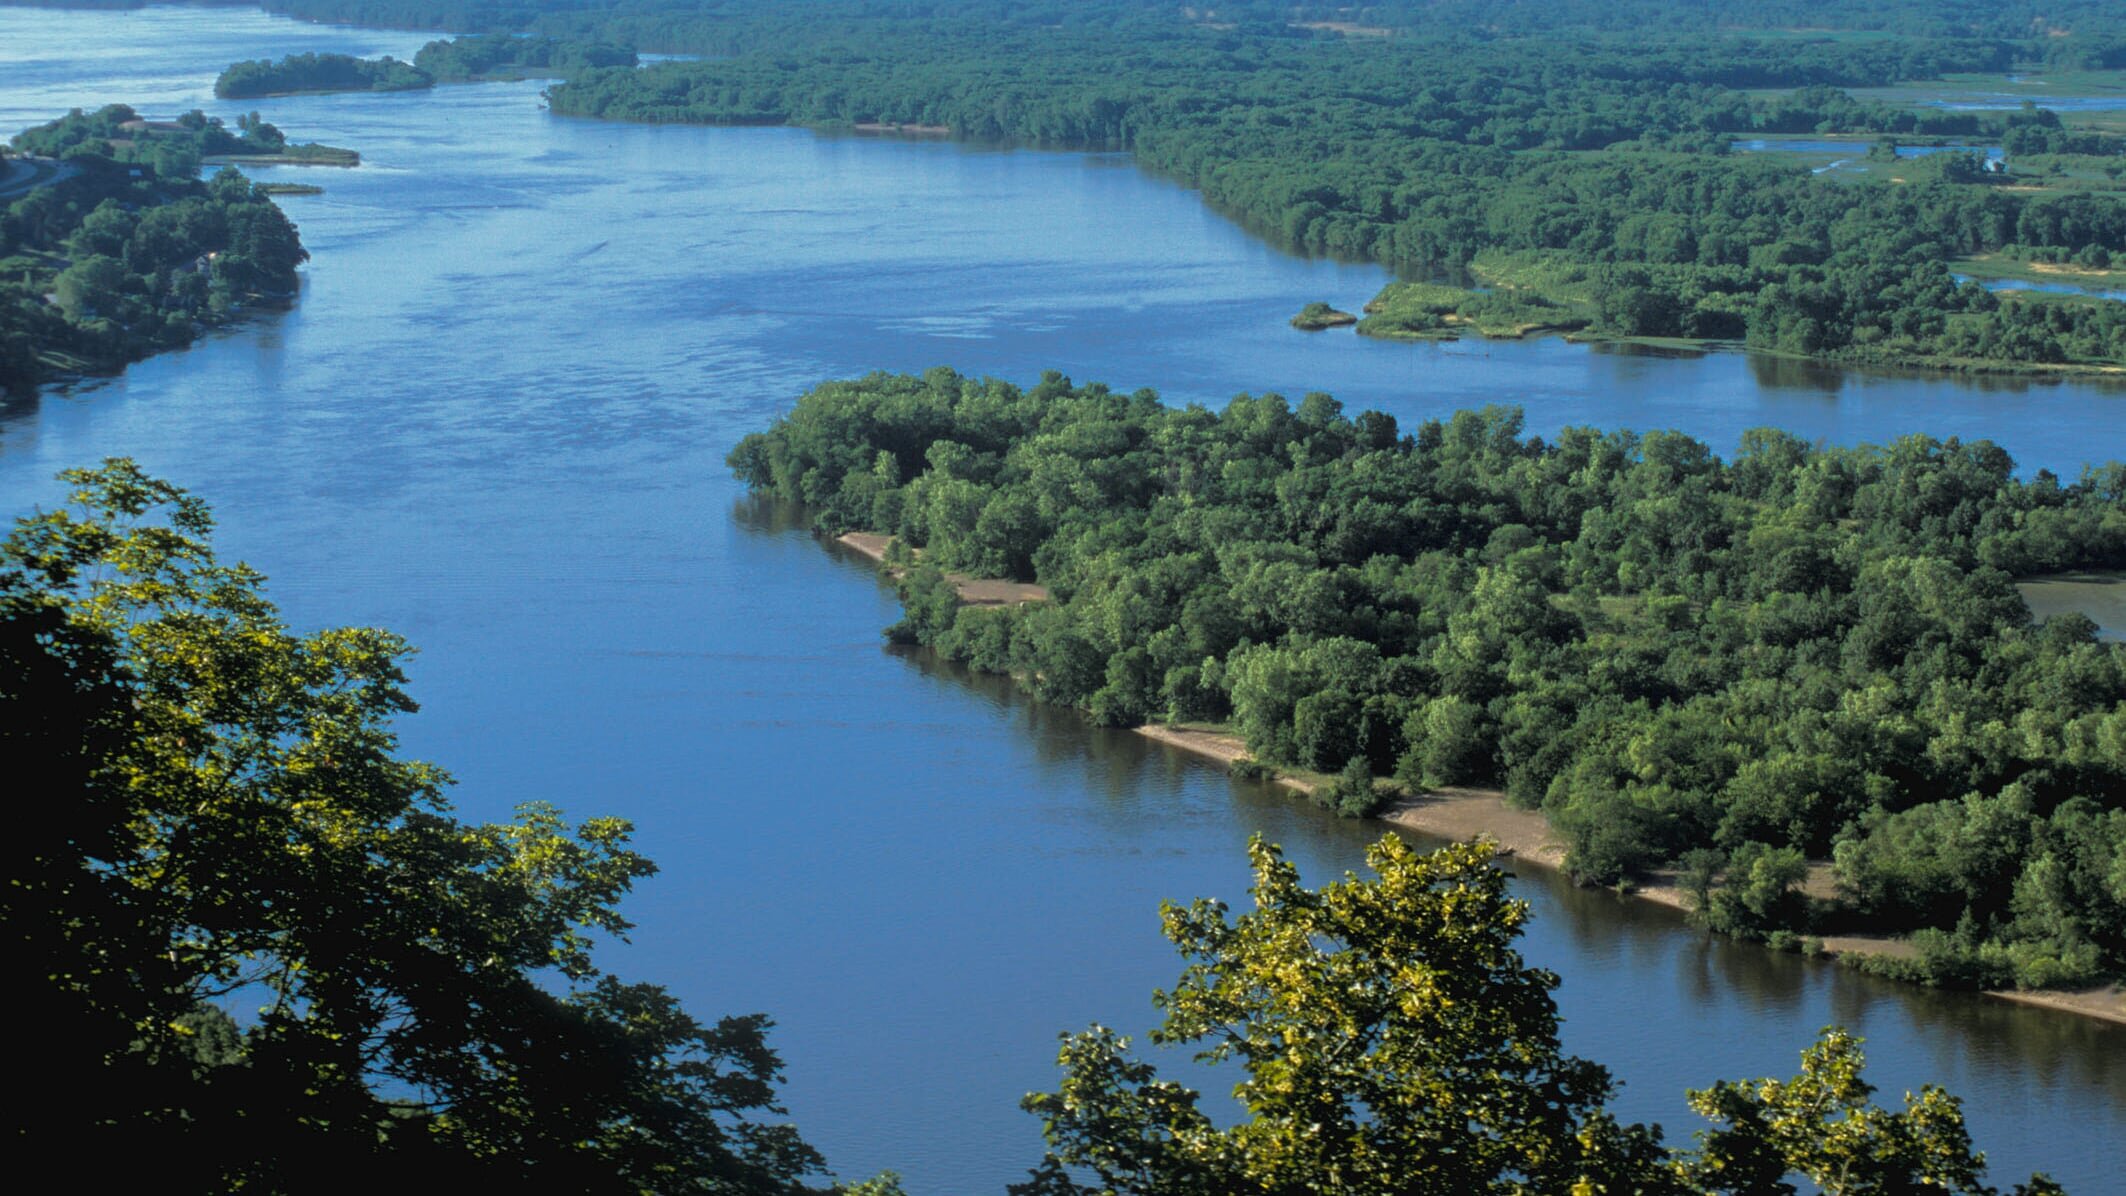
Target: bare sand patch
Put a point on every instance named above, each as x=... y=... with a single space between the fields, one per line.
x=2065 y=268
x=974 y=591
x=872 y=126
x=1347 y=28
x=2105 y=1002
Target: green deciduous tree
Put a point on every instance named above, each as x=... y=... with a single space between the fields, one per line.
x=222 y=826
x=1393 y=1041
x=1822 y=1125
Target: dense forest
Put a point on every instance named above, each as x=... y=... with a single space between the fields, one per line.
x=128 y=253
x=503 y=57
x=1601 y=162
x=299 y=73
x=223 y=818
x=1730 y=666
x=1433 y=136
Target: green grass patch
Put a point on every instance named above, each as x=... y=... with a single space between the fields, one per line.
x=1990 y=267
x=1316 y=316
x=1527 y=294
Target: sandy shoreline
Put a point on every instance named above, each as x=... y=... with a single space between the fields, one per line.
x=1525 y=835
x=974 y=591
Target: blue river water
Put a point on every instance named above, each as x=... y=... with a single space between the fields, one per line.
x=495 y=422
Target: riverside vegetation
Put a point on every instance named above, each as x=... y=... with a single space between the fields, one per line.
x=130 y=253
x=1728 y=666
x=223 y=818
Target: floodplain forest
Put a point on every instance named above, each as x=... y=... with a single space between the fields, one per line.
x=1728 y=667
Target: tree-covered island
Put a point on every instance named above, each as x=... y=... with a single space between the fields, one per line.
x=299 y=74
x=120 y=250
x=454 y=60
x=1731 y=667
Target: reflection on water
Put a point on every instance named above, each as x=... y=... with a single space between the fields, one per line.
x=2101 y=596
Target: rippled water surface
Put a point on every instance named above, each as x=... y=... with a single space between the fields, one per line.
x=495 y=421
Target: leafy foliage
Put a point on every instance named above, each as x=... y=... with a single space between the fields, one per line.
x=222 y=823
x=299 y=73
x=1392 y=1040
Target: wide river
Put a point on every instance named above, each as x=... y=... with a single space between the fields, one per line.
x=496 y=420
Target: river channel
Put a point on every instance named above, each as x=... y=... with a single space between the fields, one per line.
x=495 y=422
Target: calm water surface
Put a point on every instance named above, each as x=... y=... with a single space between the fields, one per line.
x=496 y=421
x=2101 y=596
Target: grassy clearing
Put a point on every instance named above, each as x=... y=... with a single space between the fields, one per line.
x=1993 y=266
x=1316 y=316
x=1527 y=294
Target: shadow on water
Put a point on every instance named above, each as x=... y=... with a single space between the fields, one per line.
x=1662 y=352
x=770 y=516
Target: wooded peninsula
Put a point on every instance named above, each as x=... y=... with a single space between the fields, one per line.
x=1726 y=666
x=125 y=252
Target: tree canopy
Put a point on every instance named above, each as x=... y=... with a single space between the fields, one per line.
x=260 y=948
x=1393 y=1041
x=136 y=254
x=296 y=74
x=1803 y=650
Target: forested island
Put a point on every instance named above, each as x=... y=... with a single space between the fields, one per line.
x=298 y=74
x=453 y=60
x=125 y=252
x=1732 y=667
